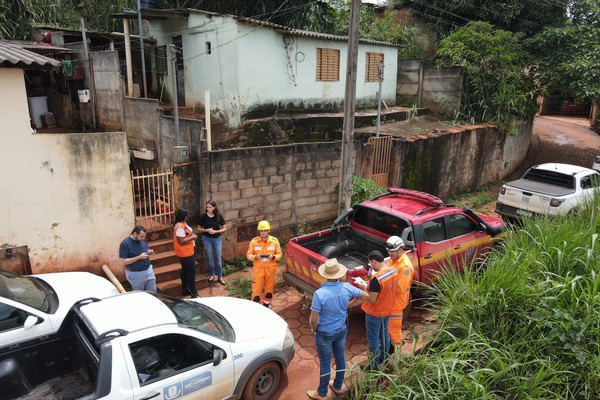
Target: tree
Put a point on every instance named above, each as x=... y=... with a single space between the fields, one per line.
x=496 y=88
x=568 y=58
x=523 y=16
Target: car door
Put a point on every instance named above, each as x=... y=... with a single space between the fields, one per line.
x=466 y=238
x=435 y=250
x=589 y=184
x=12 y=323
x=179 y=365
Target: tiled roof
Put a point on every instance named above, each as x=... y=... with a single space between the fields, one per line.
x=16 y=57
x=168 y=13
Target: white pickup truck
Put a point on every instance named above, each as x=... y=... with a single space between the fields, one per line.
x=548 y=189
x=141 y=346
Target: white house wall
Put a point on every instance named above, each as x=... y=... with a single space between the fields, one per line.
x=270 y=78
x=65 y=196
x=249 y=69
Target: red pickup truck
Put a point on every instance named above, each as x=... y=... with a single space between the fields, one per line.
x=435 y=234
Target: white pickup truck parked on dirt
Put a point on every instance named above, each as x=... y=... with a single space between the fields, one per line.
x=548 y=189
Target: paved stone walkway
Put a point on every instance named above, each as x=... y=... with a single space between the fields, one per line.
x=303 y=371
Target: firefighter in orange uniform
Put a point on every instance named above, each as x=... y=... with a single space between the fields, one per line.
x=400 y=261
x=264 y=251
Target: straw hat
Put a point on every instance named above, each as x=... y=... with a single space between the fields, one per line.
x=332 y=269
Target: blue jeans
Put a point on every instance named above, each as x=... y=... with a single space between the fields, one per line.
x=378 y=338
x=214 y=249
x=328 y=343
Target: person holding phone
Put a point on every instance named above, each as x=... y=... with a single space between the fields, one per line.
x=212 y=225
x=264 y=251
x=135 y=257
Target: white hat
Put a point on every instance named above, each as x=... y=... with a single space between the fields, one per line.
x=332 y=269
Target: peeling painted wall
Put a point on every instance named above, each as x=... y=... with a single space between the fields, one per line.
x=250 y=68
x=67 y=197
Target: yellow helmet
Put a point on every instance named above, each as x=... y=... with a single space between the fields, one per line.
x=264 y=226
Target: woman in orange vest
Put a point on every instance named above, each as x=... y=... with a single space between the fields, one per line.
x=378 y=307
x=184 y=243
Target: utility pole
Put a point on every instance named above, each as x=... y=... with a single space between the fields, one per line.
x=347 y=167
x=175 y=100
x=379 y=97
x=86 y=55
x=141 y=33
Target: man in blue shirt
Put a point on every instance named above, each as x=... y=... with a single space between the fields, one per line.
x=329 y=311
x=135 y=256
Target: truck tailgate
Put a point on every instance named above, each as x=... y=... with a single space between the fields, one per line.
x=541 y=188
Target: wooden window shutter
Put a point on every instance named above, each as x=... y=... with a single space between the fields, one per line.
x=328 y=65
x=372 y=67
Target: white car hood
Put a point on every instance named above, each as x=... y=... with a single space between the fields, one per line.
x=250 y=320
x=71 y=287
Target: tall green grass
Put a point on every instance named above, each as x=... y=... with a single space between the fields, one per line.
x=524 y=325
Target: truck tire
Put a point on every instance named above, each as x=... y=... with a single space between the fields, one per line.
x=263 y=383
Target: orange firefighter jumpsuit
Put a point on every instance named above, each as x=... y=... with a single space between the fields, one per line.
x=264 y=270
x=405 y=277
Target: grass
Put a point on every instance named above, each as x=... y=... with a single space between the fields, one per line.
x=240 y=287
x=524 y=325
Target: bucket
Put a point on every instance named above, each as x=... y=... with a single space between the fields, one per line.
x=38 y=106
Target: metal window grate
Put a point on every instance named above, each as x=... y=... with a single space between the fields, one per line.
x=153 y=197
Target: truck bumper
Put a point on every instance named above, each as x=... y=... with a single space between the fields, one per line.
x=300 y=285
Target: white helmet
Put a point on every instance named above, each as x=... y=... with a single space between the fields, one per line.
x=394 y=243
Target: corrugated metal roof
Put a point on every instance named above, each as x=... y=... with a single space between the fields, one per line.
x=16 y=57
x=39 y=47
x=167 y=13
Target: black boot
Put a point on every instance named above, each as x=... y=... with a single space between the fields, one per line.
x=194 y=294
x=185 y=292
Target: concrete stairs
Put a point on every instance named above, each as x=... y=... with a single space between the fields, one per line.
x=167 y=268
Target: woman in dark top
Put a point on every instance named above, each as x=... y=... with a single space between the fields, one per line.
x=211 y=225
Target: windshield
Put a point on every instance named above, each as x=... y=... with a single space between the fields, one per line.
x=199 y=317
x=26 y=290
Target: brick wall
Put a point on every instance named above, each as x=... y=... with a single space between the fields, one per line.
x=285 y=184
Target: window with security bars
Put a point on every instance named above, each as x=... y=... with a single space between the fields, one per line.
x=328 y=65
x=161 y=60
x=372 y=68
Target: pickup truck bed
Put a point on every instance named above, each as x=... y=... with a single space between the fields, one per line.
x=540 y=187
x=72 y=385
x=348 y=246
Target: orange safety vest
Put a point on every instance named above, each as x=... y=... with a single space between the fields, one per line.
x=405 y=277
x=187 y=249
x=258 y=246
x=383 y=306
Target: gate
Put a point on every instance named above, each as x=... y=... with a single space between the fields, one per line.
x=381 y=151
x=153 y=197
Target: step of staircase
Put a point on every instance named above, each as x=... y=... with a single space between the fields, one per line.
x=161 y=245
x=164 y=258
x=173 y=287
x=167 y=272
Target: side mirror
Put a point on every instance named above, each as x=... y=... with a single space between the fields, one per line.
x=218 y=356
x=30 y=322
x=408 y=238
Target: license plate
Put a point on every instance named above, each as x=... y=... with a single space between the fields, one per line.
x=524 y=213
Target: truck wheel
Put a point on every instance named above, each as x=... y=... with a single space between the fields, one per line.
x=263 y=383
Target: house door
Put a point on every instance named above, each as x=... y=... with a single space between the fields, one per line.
x=378 y=164
x=153 y=197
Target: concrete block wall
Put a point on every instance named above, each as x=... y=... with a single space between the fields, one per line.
x=285 y=184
